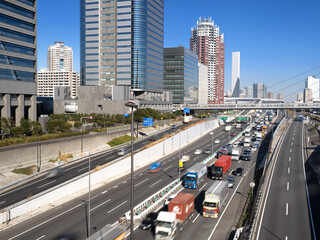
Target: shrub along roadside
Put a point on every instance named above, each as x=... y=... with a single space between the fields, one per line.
x=118 y=141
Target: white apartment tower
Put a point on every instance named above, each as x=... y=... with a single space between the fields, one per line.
x=59 y=72
x=235 y=75
x=313 y=84
x=208 y=44
x=60 y=57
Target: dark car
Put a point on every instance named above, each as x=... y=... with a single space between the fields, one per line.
x=238 y=171
x=154 y=138
x=149 y=221
x=246 y=155
x=233 y=134
x=207 y=151
x=173 y=126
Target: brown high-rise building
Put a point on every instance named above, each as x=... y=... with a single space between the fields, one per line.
x=208 y=43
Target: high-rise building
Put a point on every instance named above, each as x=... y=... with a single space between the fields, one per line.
x=202 y=84
x=313 y=84
x=259 y=90
x=270 y=95
x=181 y=75
x=307 y=95
x=59 y=72
x=300 y=97
x=18 y=55
x=235 y=76
x=59 y=57
x=280 y=96
x=121 y=43
x=207 y=42
x=248 y=92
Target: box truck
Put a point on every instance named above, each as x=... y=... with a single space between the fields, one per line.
x=235 y=154
x=221 y=166
x=215 y=198
x=228 y=128
x=195 y=175
x=247 y=142
x=180 y=210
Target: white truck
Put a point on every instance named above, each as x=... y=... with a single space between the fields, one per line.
x=187 y=119
x=247 y=142
x=247 y=133
x=215 y=198
x=180 y=210
x=228 y=128
x=238 y=126
x=235 y=154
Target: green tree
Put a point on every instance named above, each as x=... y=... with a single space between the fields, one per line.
x=36 y=128
x=26 y=125
x=17 y=132
x=78 y=125
x=4 y=127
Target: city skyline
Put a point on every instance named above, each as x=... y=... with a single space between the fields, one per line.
x=269 y=45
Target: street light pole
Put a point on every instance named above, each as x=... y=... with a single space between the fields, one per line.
x=131 y=105
x=179 y=153
x=89 y=195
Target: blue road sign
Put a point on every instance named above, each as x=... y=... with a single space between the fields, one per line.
x=126 y=114
x=148 y=122
x=186 y=110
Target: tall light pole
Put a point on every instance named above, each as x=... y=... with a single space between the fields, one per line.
x=89 y=194
x=211 y=142
x=88 y=117
x=179 y=153
x=131 y=105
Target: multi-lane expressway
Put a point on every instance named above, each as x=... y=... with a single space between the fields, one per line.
x=110 y=201
x=286 y=213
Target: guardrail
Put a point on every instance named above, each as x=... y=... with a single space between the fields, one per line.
x=151 y=203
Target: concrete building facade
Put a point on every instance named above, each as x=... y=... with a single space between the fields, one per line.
x=207 y=42
x=235 y=74
x=259 y=90
x=203 y=84
x=313 y=84
x=18 y=56
x=248 y=91
x=270 y=95
x=121 y=43
x=300 y=97
x=280 y=96
x=181 y=75
x=59 y=58
x=307 y=95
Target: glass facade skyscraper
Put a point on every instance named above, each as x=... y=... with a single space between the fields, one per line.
x=18 y=59
x=181 y=75
x=122 y=43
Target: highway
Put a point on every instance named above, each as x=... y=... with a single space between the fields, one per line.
x=201 y=228
x=110 y=201
x=286 y=214
x=39 y=184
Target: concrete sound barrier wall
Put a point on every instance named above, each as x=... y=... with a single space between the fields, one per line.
x=118 y=168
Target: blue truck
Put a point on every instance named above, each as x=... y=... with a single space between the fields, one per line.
x=195 y=175
x=300 y=117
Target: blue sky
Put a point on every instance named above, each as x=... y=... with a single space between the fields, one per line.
x=277 y=39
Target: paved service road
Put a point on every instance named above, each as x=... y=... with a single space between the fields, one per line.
x=286 y=214
x=70 y=171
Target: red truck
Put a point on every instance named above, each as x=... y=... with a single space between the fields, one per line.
x=221 y=166
x=170 y=223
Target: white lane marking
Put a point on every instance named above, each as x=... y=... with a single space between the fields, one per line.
x=290 y=149
x=202 y=187
x=2 y=202
x=164 y=162
x=288 y=186
x=141 y=182
x=82 y=169
x=125 y=182
x=41 y=237
x=99 y=205
x=115 y=186
x=155 y=183
x=292 y=138
x=289 y=159
x=16 y=189
x=291 y=143
x=287 y=209
x=140 y=174
x=46 y=221
x=286 y=237
x=167 y=167
x=104 y=191
x=195 y=219
x=117 y=206
x=288 y=170
x=47 y=184
x=76 y=166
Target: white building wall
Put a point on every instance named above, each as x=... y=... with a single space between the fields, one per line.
x=235 y=74
x=203 y=84
x=313 y=84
